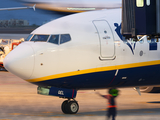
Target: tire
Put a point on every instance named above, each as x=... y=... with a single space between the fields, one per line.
x=146 y=89
x=72 y=107
x=64 y=107
x=155 y=90
x=150 y=89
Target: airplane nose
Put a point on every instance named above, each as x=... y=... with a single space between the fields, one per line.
x=20 y=61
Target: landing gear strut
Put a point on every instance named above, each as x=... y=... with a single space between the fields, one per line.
x=70 y=106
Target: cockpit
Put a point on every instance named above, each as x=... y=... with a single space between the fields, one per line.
x=55 y=39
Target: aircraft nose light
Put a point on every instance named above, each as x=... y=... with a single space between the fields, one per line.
x=20 y=61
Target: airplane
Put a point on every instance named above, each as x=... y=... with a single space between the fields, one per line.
x=18 y=8
x=84 y=51
x=73 y=6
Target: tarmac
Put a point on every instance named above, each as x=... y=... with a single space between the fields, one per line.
x=19 y=101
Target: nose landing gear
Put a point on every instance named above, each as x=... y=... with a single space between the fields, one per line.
x=70 y=106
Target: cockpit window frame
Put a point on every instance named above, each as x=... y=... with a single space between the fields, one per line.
x=40 y=34
x=59 y=40
x=65 y=41
x=55 y=35
x=30 y=37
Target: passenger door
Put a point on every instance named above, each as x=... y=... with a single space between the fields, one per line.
x=107 y=47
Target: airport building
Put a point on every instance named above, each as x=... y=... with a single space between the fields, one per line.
x=14 y=23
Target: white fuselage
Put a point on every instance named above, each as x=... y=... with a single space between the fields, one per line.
x=95 y=47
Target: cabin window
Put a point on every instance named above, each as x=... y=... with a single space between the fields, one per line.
x=54 y=39
x=140 y=3
x=40 y=38
x=29 y=37
x=65 y=38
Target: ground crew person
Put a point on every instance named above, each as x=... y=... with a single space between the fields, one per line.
x=112 y=111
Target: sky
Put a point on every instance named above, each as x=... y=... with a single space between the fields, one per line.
x=37 y=17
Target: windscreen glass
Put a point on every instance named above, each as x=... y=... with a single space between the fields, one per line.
x=29 y=37
x=54 y=39
x=40 y=38
x=65 y=38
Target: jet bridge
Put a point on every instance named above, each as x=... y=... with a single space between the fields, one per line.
x=141 y=17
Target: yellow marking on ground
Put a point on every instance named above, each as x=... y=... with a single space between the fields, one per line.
x=15 y=113
x=57 y=116
x=5 y=119
x=27 y=114
x=108 y=68
x=103 y=109
x=90 y=115
x=40 y=115
x=47 y=112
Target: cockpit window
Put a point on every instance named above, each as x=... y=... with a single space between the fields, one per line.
x=54 y=39
x=65 y=38
x=40 y=38
x=29 y=37
x=59 y=39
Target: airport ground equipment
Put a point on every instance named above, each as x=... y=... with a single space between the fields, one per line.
x=7 y=45
x=140 y=18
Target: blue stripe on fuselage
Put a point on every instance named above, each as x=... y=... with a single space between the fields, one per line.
x=148 y=75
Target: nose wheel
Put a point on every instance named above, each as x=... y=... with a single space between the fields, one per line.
x=70 y=107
